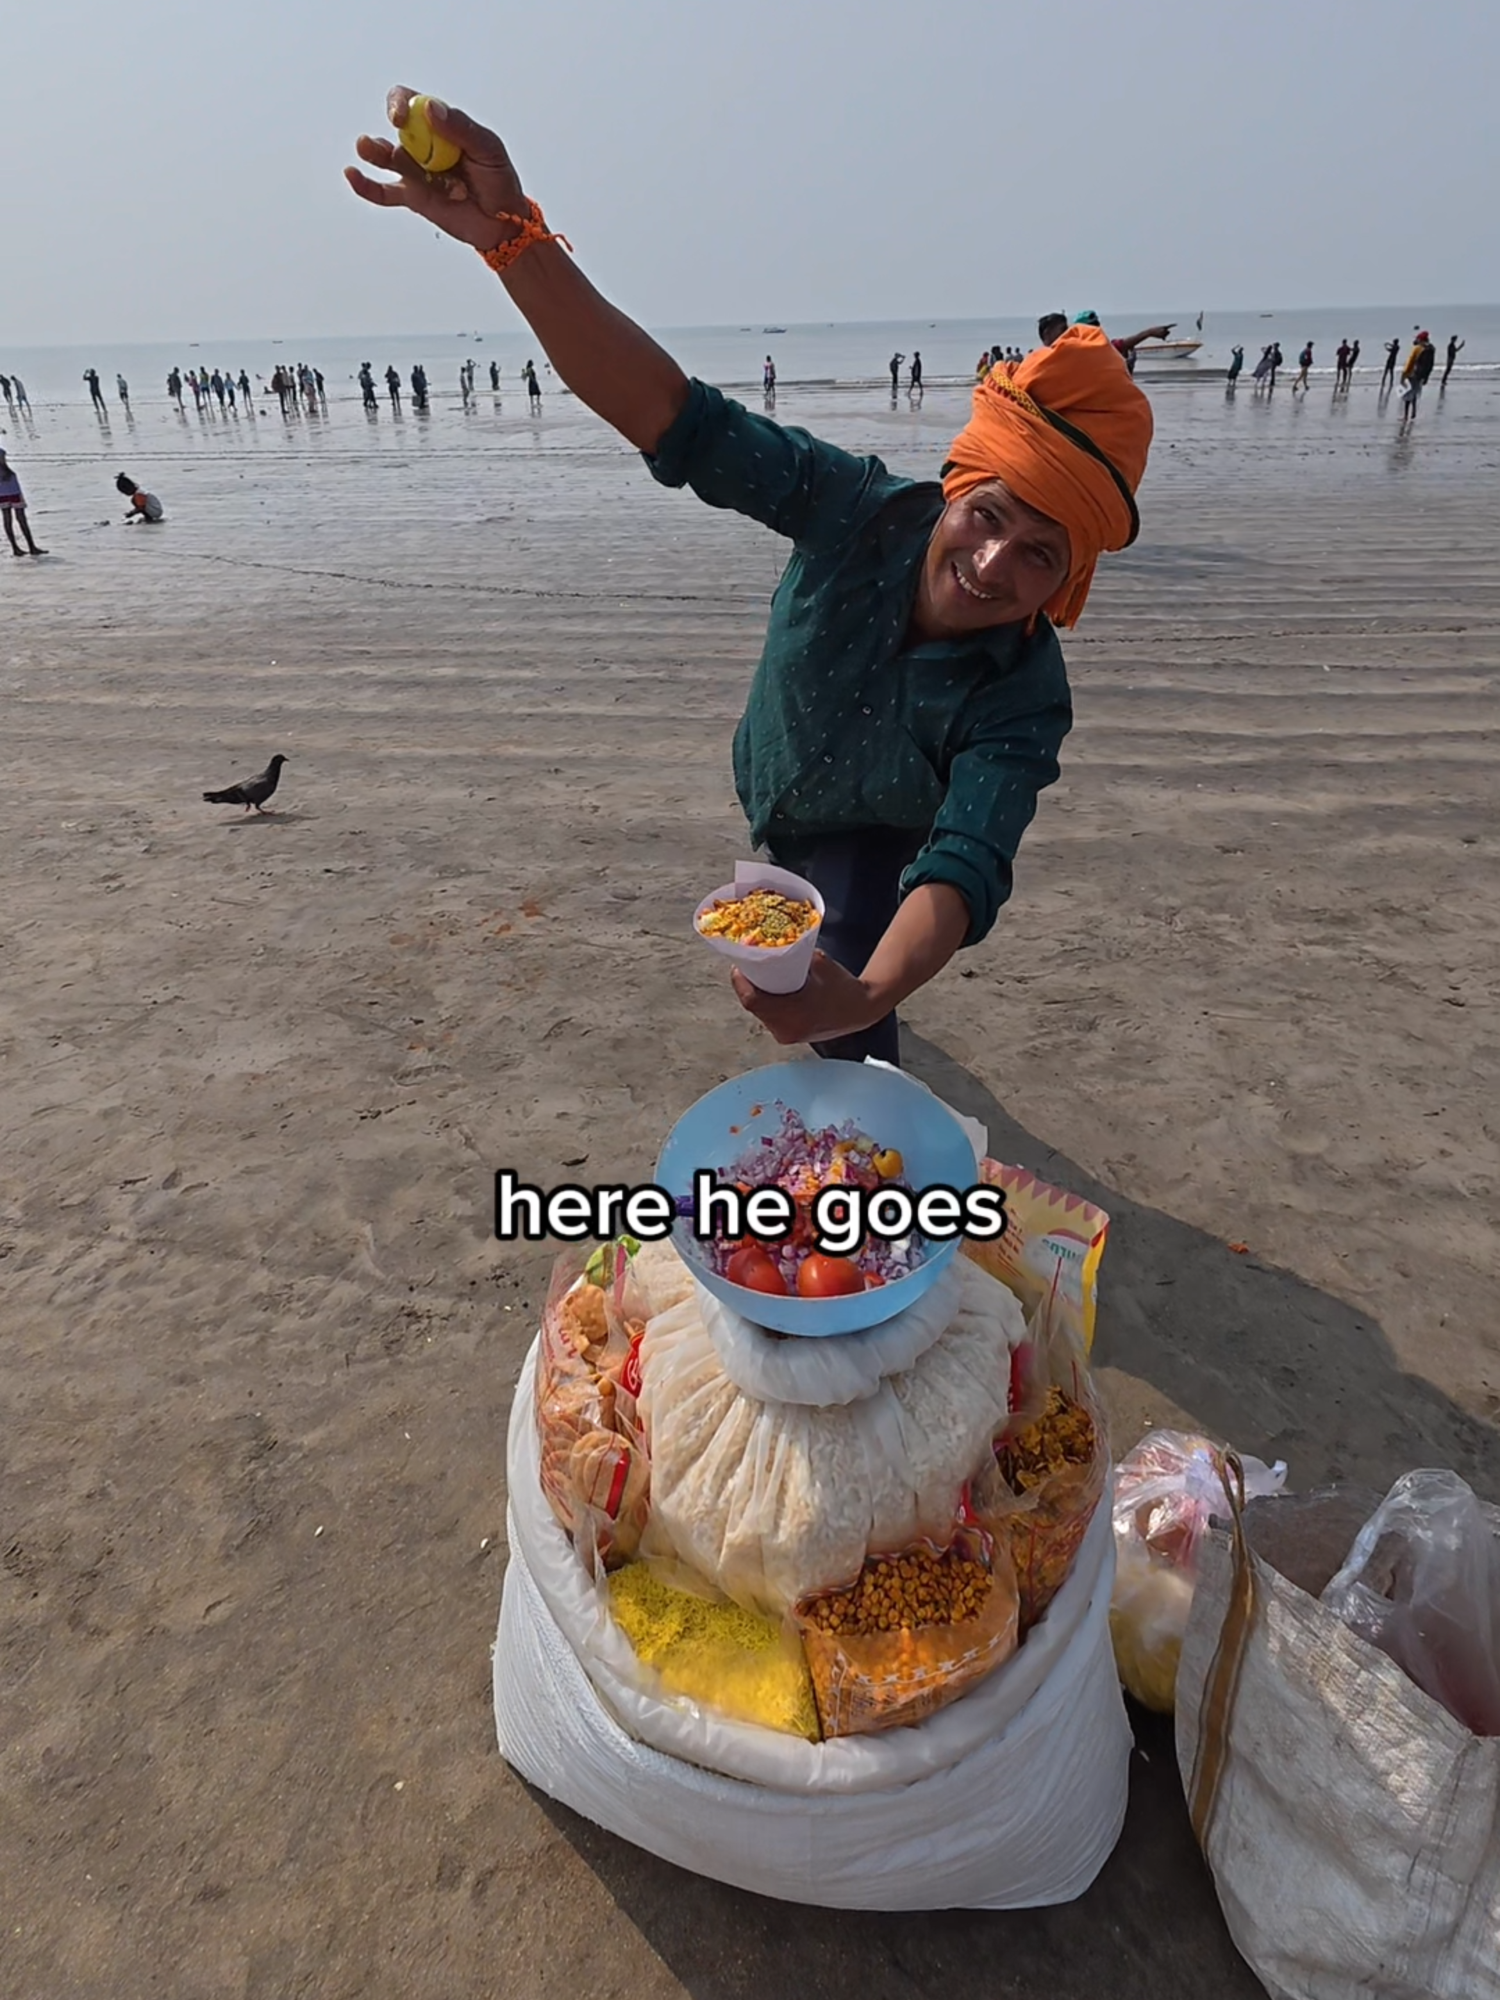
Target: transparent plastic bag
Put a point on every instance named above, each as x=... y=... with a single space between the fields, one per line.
x=1167 y=1490
x=1038 y=1491
x=594 y=1467
x=867 y=1680
x=1423 y=1584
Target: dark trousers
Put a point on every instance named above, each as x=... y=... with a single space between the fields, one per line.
x=859 y=878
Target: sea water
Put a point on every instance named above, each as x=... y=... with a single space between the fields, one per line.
x=833 y=353
x=494 y=502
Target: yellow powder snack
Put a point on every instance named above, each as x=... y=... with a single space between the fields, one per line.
x=762 y=917
x=746 y=1666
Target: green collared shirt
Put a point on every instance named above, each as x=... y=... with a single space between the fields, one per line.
x=847 y=726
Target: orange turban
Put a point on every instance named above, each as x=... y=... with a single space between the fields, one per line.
x=1068 y=432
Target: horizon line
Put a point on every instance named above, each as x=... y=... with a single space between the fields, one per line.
x=736 y=326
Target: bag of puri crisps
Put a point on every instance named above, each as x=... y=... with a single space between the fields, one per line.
x=1051 y=1247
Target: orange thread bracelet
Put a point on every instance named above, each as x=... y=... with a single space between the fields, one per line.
x=531 y=228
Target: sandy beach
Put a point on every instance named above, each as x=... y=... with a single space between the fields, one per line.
x=258 y=1074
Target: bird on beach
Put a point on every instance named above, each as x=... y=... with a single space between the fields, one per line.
x=254 y=791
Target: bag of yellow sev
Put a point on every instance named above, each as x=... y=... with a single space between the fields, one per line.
x=713 y=1652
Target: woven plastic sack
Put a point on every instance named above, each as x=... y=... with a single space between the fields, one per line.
x=1009 y=1798
x=1352 y=1824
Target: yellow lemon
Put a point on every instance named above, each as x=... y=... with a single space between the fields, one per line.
x=438 y=156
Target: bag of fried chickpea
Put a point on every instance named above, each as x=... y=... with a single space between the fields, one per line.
x=914 y=1630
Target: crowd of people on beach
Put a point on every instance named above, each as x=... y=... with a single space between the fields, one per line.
x=224 y=393
x=300 y=389
x=1416 y=373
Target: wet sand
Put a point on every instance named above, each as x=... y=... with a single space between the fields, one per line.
x=257 y=1075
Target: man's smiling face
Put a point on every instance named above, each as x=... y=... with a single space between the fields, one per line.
x=992 y=560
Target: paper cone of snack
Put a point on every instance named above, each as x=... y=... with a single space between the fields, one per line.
x=773 y=968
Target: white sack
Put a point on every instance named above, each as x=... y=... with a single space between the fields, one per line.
x=769 y=1757
x=1011 y=1798
x=1352 y=1824
x=843 y=1367
x=774 y=1500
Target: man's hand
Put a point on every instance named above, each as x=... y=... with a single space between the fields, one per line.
x=833 y=1002
x=924 y=934
x=462 y=203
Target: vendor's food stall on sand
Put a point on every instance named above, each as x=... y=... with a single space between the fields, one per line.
x=823 y=1611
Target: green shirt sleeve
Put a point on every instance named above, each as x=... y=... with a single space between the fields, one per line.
x=993 y=788
x=790 y=481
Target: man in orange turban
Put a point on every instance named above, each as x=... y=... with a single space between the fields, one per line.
x=1067 y=432
x=911 y=699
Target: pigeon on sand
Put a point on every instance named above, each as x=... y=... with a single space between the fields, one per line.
x=254 y=791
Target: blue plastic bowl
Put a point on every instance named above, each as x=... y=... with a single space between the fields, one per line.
x=934 y=1147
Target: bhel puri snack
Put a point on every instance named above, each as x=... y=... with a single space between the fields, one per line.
x=762 y=917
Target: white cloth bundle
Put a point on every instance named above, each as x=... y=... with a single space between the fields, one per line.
x=774 y=1499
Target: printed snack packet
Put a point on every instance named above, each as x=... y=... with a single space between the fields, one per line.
x=595 y=1470
x=915 y=1630
x=1052 y=1244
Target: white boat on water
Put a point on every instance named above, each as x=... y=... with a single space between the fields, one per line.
x=1167 y=350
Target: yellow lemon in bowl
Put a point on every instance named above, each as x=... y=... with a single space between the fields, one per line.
x=437 y=155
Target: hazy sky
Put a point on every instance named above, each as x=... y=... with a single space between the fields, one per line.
x=172 y=167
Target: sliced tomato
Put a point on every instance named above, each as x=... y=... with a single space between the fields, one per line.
x=820 y=1277
x=755 y=1270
